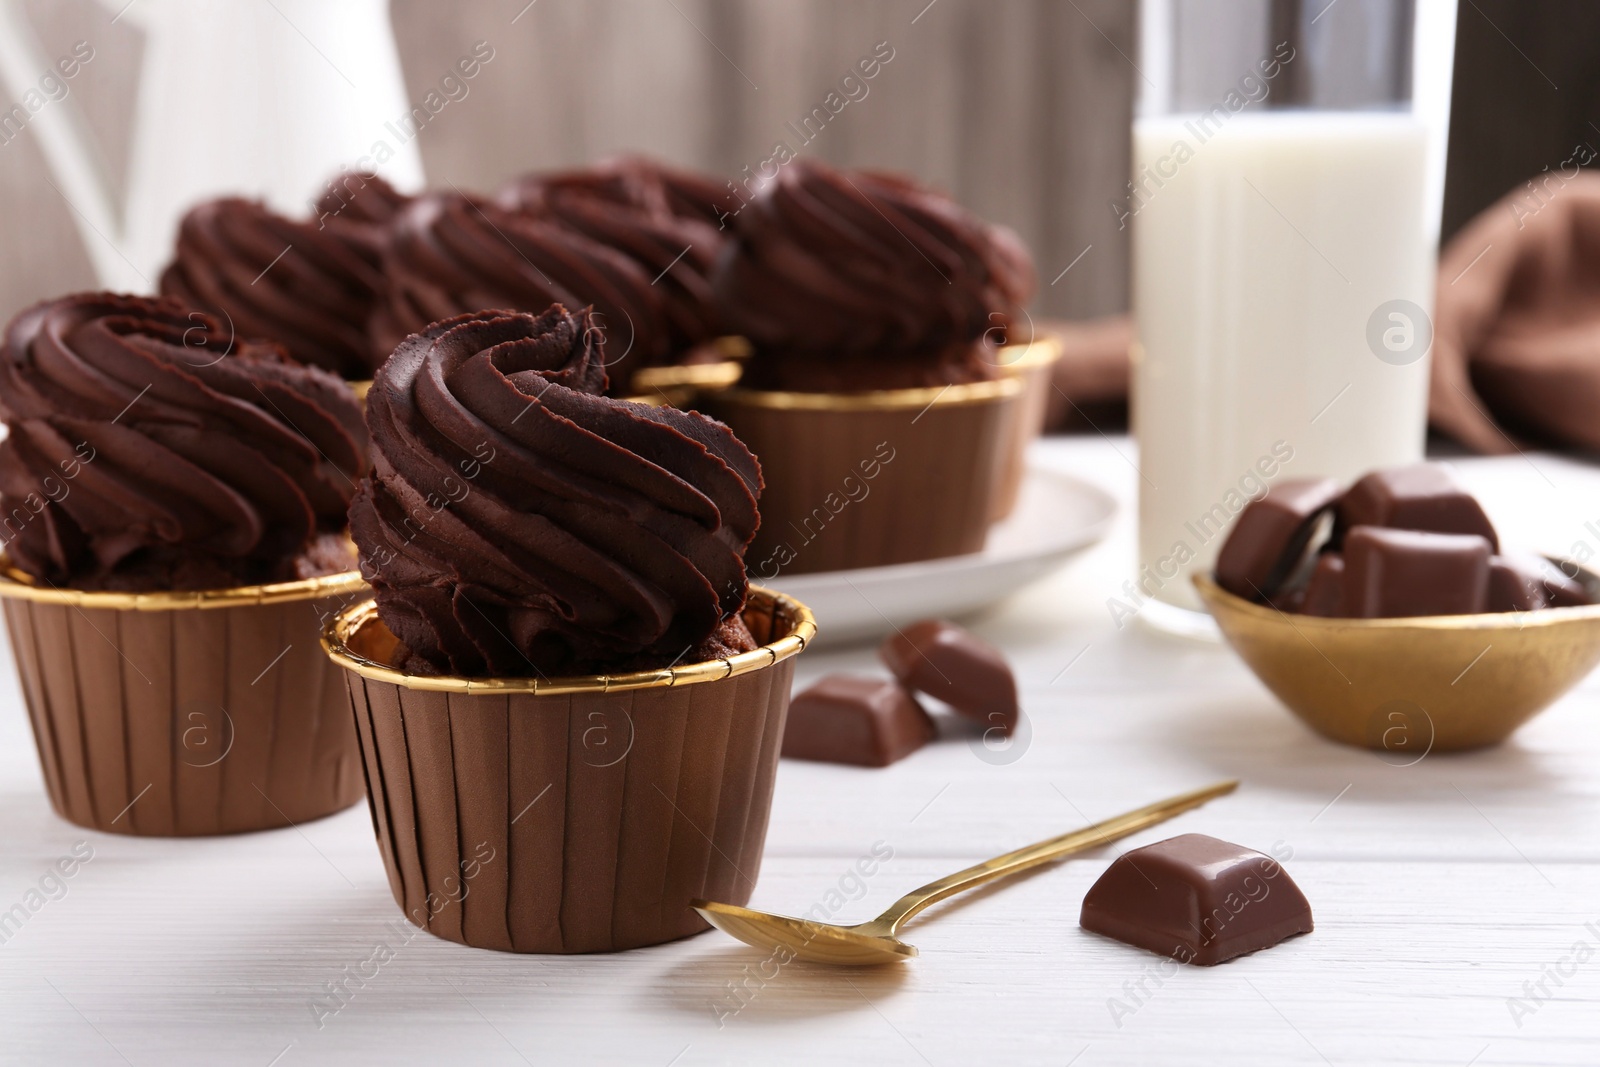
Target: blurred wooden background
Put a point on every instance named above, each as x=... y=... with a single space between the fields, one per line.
x=1020 y=108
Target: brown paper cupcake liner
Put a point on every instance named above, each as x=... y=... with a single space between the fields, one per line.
x=869 y=479
x=571 y=814
x=1033 y=364
x=185 y=714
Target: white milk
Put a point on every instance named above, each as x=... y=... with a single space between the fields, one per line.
x=1262 y=246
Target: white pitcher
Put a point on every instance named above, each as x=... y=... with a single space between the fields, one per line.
x=260 y=98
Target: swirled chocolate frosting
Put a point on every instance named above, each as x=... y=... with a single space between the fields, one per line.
x=450 y=255
x=847 y=281
x=517 y=523
x=271 y=278
x=148 y=449
x=661 y=218
x=357 y=209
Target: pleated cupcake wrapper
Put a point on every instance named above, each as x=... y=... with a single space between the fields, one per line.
x=1034 y=365
x=177 y=721
x=581 y=818
x=933 y=498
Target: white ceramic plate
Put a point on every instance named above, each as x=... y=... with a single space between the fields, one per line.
x=1056 y=516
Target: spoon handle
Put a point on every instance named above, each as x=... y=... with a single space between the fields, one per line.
x=1044 y=851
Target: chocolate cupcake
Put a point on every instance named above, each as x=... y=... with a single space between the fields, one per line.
x=307 y=286
x=561 y=607
x=874 y=309
x=156 y=466
x=450 y=254
x=665 y=220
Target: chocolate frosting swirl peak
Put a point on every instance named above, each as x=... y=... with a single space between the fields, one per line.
x=866 y=280
x=148 y=449
x=309 y=288
x=516 y=523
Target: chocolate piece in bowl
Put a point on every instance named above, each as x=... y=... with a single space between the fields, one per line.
x=565 y=665
x=1515 y=584
x=1324 y=591
x=1421 y=496
x=951 y=664
x=1271 y=535
x=1399 y=573
x=1197 y=899
x=869 y=722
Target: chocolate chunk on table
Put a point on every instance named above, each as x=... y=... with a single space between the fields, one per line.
x=1401 y=573
x=1422 y=496
x=946 y=662
x=1270 y=536
x=869 y=722
x=1196 y=899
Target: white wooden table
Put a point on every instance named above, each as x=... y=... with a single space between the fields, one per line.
x=1441 y=890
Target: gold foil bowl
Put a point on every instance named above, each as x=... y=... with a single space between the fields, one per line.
x=571 y=814
x=185 y=713
x=1408 y=686
x=873 y=478
x=1034 y=365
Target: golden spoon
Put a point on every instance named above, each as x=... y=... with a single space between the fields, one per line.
x=874 y=941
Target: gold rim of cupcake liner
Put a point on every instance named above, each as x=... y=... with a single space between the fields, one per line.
x=342 y=628
x=962 y=395
x=19 y=586
x=1040 y=352
x=360 y=388
x=695 y=375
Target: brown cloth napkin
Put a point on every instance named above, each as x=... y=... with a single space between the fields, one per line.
x=1516 y=350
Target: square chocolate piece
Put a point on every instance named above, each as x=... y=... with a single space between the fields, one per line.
x=1270 y=536
x=1402 y=573
x=1515 y=584
x=868 y=722
x=1324 y=593
x=1196 y=899
x=1422 y=496
x=946 y=662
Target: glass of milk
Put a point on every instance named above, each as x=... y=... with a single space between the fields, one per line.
x=1288 y=165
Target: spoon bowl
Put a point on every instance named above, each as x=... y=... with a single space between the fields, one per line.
x=848 y=946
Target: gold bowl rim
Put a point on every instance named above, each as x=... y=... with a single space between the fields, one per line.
x=19 y=586
x=959 y=395
x=1494 y=620
x=338 y=631
x=1039 y=352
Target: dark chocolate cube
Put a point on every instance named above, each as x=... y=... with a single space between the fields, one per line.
x=1516 y=583
x=1270 y=536
x=1196 y=899
x=949 y=664
x=869 y=722
x=1324 y=593
x=1401 y=573
x=1422 y=496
